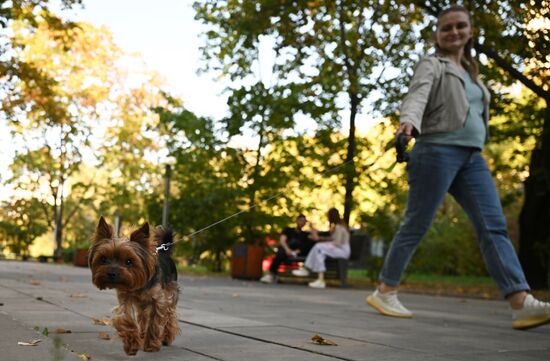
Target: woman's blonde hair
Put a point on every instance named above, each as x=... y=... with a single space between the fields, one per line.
x=468 y=61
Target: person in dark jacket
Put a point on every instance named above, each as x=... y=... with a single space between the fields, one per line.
x=293 y=242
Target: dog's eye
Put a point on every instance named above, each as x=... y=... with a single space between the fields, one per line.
x=129 y=262
x=104 y=260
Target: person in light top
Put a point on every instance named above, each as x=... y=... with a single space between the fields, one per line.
x=447 y=109
x=335 y=245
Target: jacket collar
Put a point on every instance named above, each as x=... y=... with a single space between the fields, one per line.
x=450 y=67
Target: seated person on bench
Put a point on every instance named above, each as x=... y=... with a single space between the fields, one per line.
x=336 y=245
x=293 y=242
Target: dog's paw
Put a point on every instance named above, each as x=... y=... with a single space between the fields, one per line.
x=130 y=351
x=152 y=345
x=151 y=348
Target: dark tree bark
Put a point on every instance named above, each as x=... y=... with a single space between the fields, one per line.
x=534 y=241
x=350 y=163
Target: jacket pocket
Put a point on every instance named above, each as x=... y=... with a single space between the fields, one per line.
x=433 y=120
x=434 y=111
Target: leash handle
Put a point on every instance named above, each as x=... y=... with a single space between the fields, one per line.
x=401 y=147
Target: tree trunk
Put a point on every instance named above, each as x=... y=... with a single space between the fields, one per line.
x=165 y=204
x=58 y=234
x=58 y=231
x=534 y=240
x=217 y=261
x=350 y=163
x=251 y=234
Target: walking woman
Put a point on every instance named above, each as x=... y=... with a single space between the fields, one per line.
x=447 y=109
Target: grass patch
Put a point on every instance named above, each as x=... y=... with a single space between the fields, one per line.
x=463 y=286
x=198 y=270
x=430 y=278
x=451 y=280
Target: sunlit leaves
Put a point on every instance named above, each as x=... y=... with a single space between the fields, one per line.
x=21 y=222
x=329 y=56
x=68 y=99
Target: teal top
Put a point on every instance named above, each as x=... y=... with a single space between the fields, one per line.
x=473 y=133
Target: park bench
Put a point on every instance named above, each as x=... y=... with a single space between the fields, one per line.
x=337 y=268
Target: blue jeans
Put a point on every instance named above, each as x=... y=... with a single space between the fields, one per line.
x=433 y=171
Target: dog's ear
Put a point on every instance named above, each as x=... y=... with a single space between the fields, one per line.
x=103 y=230
x=142 y=235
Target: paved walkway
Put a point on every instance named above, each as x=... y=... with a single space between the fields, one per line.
x=225 y=319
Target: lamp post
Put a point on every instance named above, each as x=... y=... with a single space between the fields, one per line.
x=166 y=196
x=117 y=223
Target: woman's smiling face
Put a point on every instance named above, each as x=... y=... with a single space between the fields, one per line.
x=453 y=31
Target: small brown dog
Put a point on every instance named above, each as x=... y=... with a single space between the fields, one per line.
x=146 y=283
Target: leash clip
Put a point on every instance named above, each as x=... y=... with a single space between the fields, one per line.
x=164 y=247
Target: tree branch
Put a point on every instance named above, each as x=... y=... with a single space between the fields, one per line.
x=76 y=206
x=514 y=73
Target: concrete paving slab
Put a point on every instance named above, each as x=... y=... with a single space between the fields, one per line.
x=12 y=332
x=225 y=319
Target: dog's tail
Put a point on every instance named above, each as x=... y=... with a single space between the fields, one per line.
x=164 y=236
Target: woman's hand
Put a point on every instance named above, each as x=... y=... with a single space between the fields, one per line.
x=293 y=254
x=406 y=128
x=314 y=235
x=290 y=252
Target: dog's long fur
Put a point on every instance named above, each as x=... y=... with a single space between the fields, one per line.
x=145 y=281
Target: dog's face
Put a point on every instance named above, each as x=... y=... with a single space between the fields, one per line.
x=121 y=263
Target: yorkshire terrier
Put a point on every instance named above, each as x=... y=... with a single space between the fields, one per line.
x=145 y=281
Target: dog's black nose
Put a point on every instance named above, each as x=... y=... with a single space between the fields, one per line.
x=112 y=274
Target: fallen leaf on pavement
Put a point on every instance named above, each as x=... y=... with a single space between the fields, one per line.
x=62 y=330
x=104 y=336
x=104 y=322
x=84 y=356
x=78 y=295
x=323 y=341
x=31 y=343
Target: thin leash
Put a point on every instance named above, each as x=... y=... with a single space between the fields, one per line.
x=166 y=246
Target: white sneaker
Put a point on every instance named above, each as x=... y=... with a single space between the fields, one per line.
x=534 y=313
x=388 y=304
x=267 y=278
x=317 y=284
x=300 y=272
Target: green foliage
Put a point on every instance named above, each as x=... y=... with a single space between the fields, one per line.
x=67 y=255
x=63 y=82
x=450 y=247
x=21 y=222
x=329 y=56
x=46 y=108
x=204 y=180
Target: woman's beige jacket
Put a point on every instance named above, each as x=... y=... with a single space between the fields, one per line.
x=436 y=101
